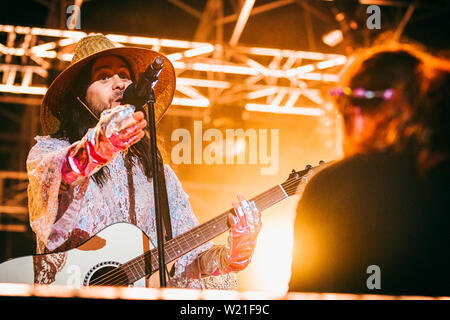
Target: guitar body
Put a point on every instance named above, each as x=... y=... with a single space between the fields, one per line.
x=78 y=267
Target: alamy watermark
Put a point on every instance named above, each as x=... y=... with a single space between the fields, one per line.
x=74 y=19
x=374 y=280
x=374 y=20
x=230 y=147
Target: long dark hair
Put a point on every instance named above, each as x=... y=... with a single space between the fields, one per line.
x=77 y=120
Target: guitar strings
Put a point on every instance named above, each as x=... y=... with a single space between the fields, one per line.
x=121 y=277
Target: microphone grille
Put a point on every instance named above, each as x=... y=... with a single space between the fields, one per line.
x=158 y=62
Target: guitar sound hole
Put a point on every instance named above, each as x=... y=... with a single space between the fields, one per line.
x=109 y=276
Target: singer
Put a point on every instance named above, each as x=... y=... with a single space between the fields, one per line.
x=92 y=170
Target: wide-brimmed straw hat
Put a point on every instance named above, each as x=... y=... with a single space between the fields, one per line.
x=95 y=46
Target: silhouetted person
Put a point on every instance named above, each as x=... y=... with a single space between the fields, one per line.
x=378 y=221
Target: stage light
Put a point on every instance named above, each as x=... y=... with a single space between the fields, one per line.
x=242 y=20
x=331 y=63
x=224 y=68
x=333 y=38
x=261 y=93
x=310 y=76
x=275 y=239
x=203 y=103
x=284 y=110
x=200 y=50
x=339 y=17
x=22 y=90
x=208 y=48
x=327 y=77
x=293 y=98
x=175 y=43
x=203 y=83
x=300 y=70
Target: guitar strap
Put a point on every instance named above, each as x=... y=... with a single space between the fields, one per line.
x=163 y=201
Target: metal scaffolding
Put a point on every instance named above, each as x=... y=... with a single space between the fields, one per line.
x=212 y=73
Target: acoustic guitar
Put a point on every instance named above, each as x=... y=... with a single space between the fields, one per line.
x=117 y=256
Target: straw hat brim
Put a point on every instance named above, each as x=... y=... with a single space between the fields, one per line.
x=138 y=59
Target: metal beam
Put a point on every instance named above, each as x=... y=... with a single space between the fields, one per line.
x=187 y=8
x=242 y=21
x=204 y=68
x=401 y=26
x=316 y=12
x=13 y=227
x=207 y=19
x=256 y=10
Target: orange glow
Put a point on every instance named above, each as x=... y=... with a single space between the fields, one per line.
x=333 y=38
x=23 y=90
x=242 y=20
x=283 y=110
x=191 y=102
x=270 y=269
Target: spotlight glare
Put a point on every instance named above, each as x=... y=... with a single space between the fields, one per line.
x=333 y=38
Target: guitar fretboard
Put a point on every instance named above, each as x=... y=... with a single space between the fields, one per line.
x=175 y=248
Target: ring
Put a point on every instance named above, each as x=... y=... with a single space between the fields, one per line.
x=245 y=206
x=253 y=206
x=251 y=215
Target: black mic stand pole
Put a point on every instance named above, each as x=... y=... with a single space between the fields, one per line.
x=158 y=215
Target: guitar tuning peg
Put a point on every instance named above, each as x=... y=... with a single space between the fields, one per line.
x=293 y=171
x=321 y=162
x=308 y=167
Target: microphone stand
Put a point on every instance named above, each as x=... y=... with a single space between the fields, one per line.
x=158 y=214
x=142 y=93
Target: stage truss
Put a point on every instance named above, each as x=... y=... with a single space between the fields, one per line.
x=209 y=75
x=212 y=75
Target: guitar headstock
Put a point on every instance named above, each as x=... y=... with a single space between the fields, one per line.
x=296 y=177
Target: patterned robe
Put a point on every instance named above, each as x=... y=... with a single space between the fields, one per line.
x=64 y=217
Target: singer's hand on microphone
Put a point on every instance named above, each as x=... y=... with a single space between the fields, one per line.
x=118 y=129
x=131 y=133
x=139 y=93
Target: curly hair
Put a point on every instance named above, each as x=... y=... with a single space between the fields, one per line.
x=434 y=114
x=403 y=123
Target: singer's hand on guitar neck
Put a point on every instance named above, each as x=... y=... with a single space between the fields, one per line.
x=118 y=129
x=245 y=225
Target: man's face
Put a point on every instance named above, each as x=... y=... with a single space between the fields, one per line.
x=109 y=79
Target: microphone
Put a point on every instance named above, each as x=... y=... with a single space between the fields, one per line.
x=139 y=93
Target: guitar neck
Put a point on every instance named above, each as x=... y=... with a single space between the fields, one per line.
x=175 y=248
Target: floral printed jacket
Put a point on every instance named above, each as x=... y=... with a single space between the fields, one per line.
x=65 y=216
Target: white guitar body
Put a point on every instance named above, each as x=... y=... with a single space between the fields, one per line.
x=77 y=267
